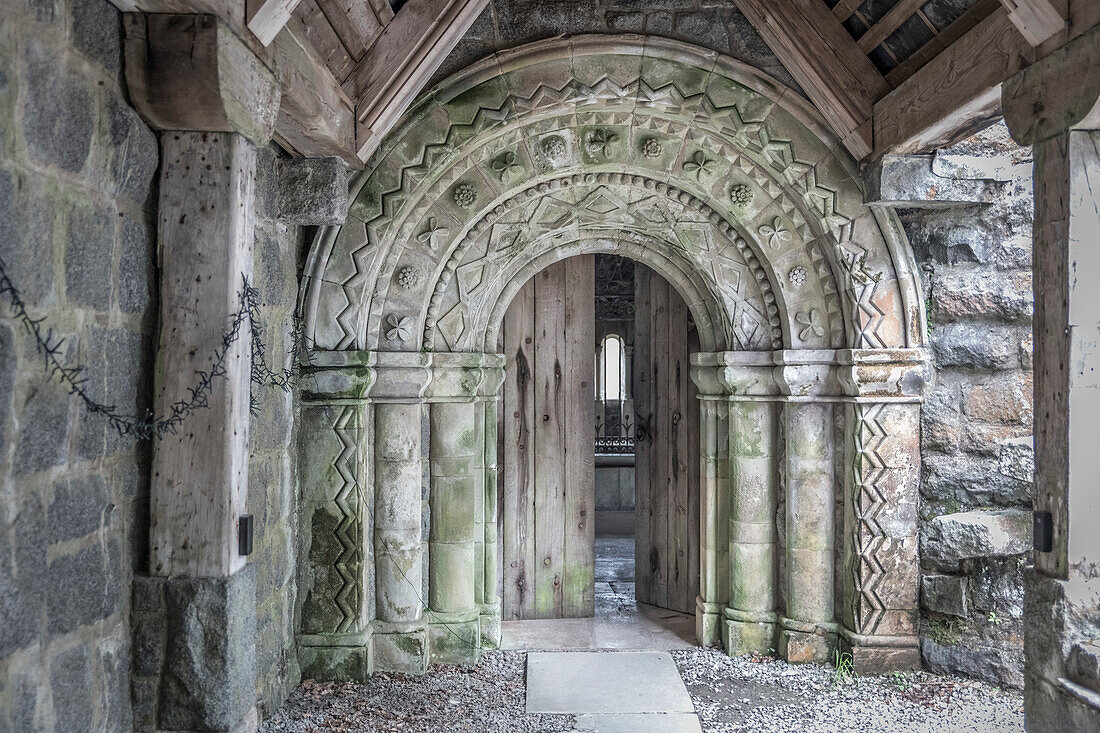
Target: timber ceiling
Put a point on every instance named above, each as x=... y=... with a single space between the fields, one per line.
x=886 y=75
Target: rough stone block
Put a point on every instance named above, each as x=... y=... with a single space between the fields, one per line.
x=83 y=587
x=97 y=33
x=455 y=642
x=882 y=659
x=994 y=665
x=71 y=682
x=951 y=538
x=912 y=181
x=965 y=293
x=79 y=506
x=335 y=663
x=58 y=111
x=7 y=383
x=704 y=29
x=944 y=594
x=940 y=429
x=970 y=480
x=401 y=652
x=89 y=256
x=976 y=346
x=28 y=211
x=997 y=585
x=1003 y=399
x=798 y=647
x=210 y=659
x=137 y=278
x=745 y=637
x=148 y=647
x=21 y=598
x=44 y=430
x=313 y=191
x=113 y=668
x=1017 y=458
x=132 y=150
x=626 y=22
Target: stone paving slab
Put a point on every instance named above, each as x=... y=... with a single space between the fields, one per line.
x=612 y=682
x=639 y=723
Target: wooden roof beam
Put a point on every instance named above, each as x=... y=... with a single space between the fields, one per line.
x=954 y=93
x=398 y=65
x=820 y=54
x=267 y=17
x=1037 y=20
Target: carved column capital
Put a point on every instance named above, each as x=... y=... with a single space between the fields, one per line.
x=806 y=374
x=334 y=377
x=402 y=376
x=885 y=375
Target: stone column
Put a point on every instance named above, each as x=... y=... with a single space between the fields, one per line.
x=879 y=593
x=211 y=116
x=400 y=635
x=713 y=517
x=1054 y=105
x=808 y=382
x=489 y=398
x=750 y=614
x=336 y=556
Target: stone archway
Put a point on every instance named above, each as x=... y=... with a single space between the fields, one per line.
x=728 y=185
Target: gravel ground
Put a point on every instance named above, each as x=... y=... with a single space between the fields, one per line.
x=487 y=698
x=762 y=695
x=731 y=695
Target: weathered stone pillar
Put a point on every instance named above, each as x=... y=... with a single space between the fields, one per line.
x=489 y=398
x=211 y=115
x=456 y=495
x=336 y=556
x=750 y=615
x=713 y=517
x=879 y=593
x=400 y=634
x=808 y=381
x=1055 y=106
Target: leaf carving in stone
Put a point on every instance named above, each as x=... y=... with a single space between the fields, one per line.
x=741 y=194
x=797 y=275
x=599 y=141
x=399 y=328
x=428 y=235
x=652 y=148
x=699 y=164
x=506 y=165
x=553 y=146
x=811 y=323
x=408 y=277
x=775 y=233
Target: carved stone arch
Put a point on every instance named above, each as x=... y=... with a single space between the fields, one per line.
x=720 y=136
x=808 y=307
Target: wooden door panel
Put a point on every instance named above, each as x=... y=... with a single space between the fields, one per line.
x=548 y=436
x=666 y=453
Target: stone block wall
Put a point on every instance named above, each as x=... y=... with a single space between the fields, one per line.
x=77 y=197
x=273 y=447
x=976 y=426
x=714 y=24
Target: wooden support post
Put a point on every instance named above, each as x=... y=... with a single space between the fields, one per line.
x=205 y=237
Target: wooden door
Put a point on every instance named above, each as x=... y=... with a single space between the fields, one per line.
x=548 y=435
x=666 y=450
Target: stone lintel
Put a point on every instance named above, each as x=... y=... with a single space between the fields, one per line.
x=1061 y=92
x=313 y=191
x=334 y=377
x=192 y=73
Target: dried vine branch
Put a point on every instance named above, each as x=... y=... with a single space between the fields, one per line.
x=49 y=347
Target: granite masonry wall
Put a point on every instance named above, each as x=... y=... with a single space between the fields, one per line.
x=976 y=431
x=77 y=198
x=714 y=24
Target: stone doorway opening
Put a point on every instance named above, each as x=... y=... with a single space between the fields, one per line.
x=591 y=557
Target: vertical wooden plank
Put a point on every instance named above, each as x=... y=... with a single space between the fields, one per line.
x=695 y=478
x=518 y=435
x=659 y=457
x=677 y=447
x=642 y=389
x=549 y=446
x=578 y=594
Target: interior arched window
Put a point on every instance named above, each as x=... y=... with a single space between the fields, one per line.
x=613 y=368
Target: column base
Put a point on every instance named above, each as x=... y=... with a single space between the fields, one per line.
x=491 y=617
x=746 y=632
x=336 y=657
x=403 y=650
x=708 y=623
x=454 y=638
x=801 y=642
x=881 y=654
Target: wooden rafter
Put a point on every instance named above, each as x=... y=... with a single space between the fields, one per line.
x=845 y=8
x=975 y=14
x=826 y=62
x=267 y=17
x=1037 y=20
x=390 y=75
x=957 y=90
x=888 y=23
